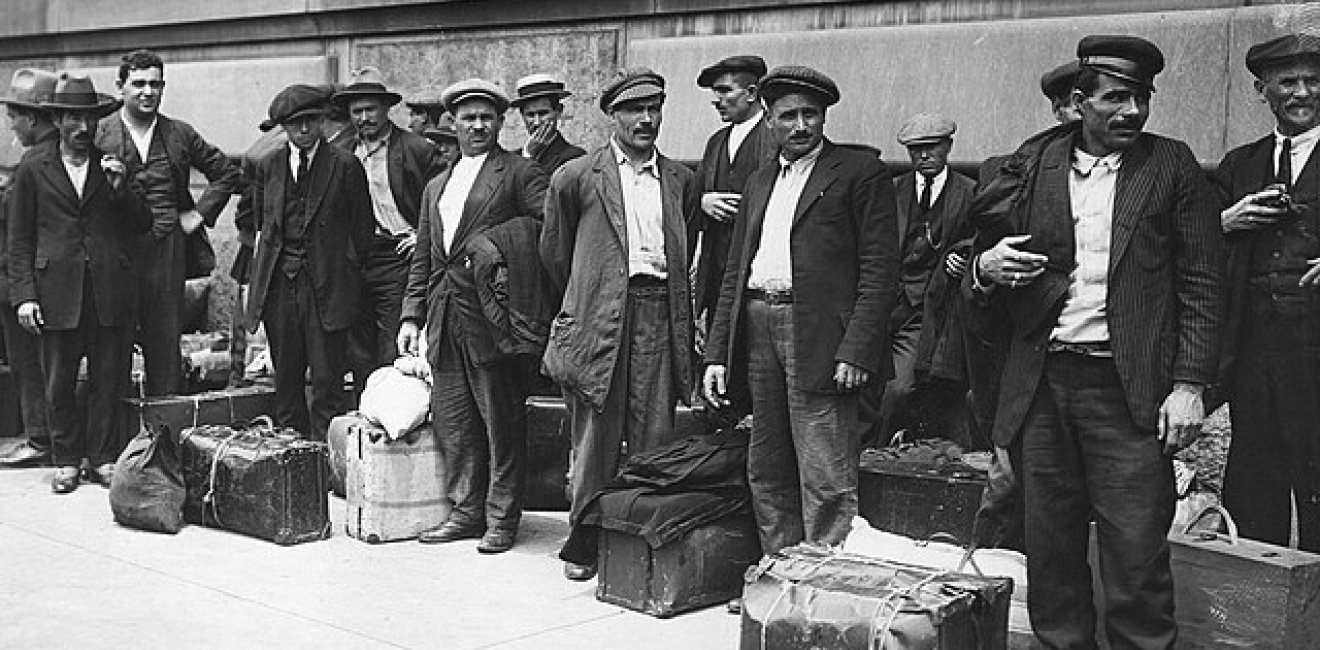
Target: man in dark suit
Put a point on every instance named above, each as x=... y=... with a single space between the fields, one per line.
x=72 y=216
x=32 y=126
x=398 y=164
x=312 y=209
x=617 y=244
x=168 y=149
x=540 y=101
x=1107 y=279
x=802 y=313
x=478 y=391
x=732 y=154
x=1271 y=369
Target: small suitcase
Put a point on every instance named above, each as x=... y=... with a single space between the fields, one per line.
x=256 y=480
x=178 y=412
x=919 y=499
x=395 y=489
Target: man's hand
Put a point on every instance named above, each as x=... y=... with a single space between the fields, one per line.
x=847 y=376
x=1312 y=275
x=29 y=316
x=406 y=245
x=408 y=339
x=1007 y=265
x=955 y=264
x=113 y=169
x=720 y=206
x=190 y=221
x=714 y=386
x=1181 y=416
x=538 y=140
x=1253 y=211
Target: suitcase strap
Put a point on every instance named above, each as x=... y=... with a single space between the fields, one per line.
x=209 y=498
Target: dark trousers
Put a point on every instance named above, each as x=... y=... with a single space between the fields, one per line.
x=372 y=340
x=480 y=420
x=299 y=343
x=1000 y=519
x=159 y=270
x=1275 y=452
x=1083 y=458
x=109 y=357
x=23 y=351
x=638 y=414
x=802 y=457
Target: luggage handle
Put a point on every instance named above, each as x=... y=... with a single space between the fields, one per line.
x=262 y=425
x=969 y=551
x=1208 y=535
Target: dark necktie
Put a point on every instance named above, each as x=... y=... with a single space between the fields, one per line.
x=302 y=168
x=924 y=199
x=1285 y=163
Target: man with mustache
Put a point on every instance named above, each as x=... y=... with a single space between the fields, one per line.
x=802 y=312
x=1271 y=369
x=399 y=164
x=616 y=244
x=73 y=216
x=1107 y=280
x=168 y=149
x=478 y=394
x=540 y=101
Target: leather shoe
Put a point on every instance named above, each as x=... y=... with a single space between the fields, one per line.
x=450 y=531
x=23 y=455
x=579 y=572
x=65 y=480
x=101 y=474
x=497 y=540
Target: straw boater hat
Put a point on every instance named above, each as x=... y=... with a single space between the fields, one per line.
x=538 y=85
x=76 y=93
x=367 y=82
x=30 y=87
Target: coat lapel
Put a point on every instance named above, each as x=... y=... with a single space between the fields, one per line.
x=95 y=179
x=610 y=190
x=59 y=178
x=274 y=189
x=1133 y=186
x=756 y=196
x=822 y=176
x=904 y=190
x=671 y=191
x=321 y=176
x=484 y=187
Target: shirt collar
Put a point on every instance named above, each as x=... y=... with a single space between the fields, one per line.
x=804 y=161
x=749 y=123
x=1304 y=138
x=937 y=181
x=123 y=117
x=621 y=158
x=1084 y=163
x=311 y=155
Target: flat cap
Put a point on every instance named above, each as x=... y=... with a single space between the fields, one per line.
x=924 y=128
x=295 y=101
x=474 y=88
x=748 y=63
x=538 y=85
x=1130 y=58
x=631 y=84
x=1284 y=49
x=367 y=82
x=425 y=102
x=1059 y=81
x=30 y=87
x=798 y=79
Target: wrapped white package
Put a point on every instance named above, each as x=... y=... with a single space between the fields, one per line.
x=396 y=401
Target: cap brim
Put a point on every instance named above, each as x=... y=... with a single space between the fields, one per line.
x=780 y=87
x=104 y=106
x=6 y=101
x=501 y=104
x=636 y=93
x=344 y=97
x=552 y=94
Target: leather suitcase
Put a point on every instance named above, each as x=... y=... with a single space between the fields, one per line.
x=920 y=499
x=178 y=412
x=256 y=480
x=395 y=489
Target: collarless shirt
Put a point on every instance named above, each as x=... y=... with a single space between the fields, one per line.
x=936 y=184
x=374 y=157
x=293 y=159
x=1301 y=144
x=77 y=175
x=643 y=209
x=739 y=132
x=772 y=268
x=141 y=140
x=1092 y=182
x=455 y=195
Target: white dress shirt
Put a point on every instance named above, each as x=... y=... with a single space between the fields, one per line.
x=643 y=208
x=293 y=159
x=1301 y=147
x=739 y=133
x=936 y=186
x=375 y=161
x=1091 y=188
x=772 y=268
x=455 y=195
x=77 y=174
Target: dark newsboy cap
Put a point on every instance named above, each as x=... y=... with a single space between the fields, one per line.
x=294 y=101
x=748 y=63
x=1059 y=81
x=1130 y=58
x=630 y=85
x=1284 y=49
x=798 y=79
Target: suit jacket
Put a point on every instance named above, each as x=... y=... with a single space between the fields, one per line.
x=844 y=248
x=1163 y=301
x=557 y=153
x=339 y=227
x=50 y=136
x=413 y=162
x=57 y=240
x=442 y=292
x=584 y=247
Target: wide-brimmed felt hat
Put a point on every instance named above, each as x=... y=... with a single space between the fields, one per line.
x=787 y=79
x=748 y=63
x=30 y=87
x=294 y=101
x=630 y=85
x=77 y=93
x=367 y=82
x=474 y=88
x=1284 y=49
x=1059 y=81
x=535 y=86
x=1130 y=58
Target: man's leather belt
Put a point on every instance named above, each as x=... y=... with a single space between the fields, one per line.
x=771 y=297
x=644 y=281
x=1099 y=349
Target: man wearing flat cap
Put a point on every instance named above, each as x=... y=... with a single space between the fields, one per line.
x=73 y=214
x=424 y=111
x=1271 y=368
x=445 y=138
x=399 y=164
x=617 y=245
x=32 y=126
x=802 y=314
x=312 y=209
x=168 y=150
x=1108 y=281
x=479 y=388
x=540 y=101
x=732 y=154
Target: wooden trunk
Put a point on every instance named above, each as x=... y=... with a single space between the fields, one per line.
x=395 y=489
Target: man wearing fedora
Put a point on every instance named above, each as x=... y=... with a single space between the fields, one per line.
x=802 y=313
x=540 y=101
x=617 y=245
x=479 y=390
x=1271 y=367
x=398 y=164
x=73 y=215
x=312 y=209
x=167 y=150
x=32 y=126
x=1107 y=279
